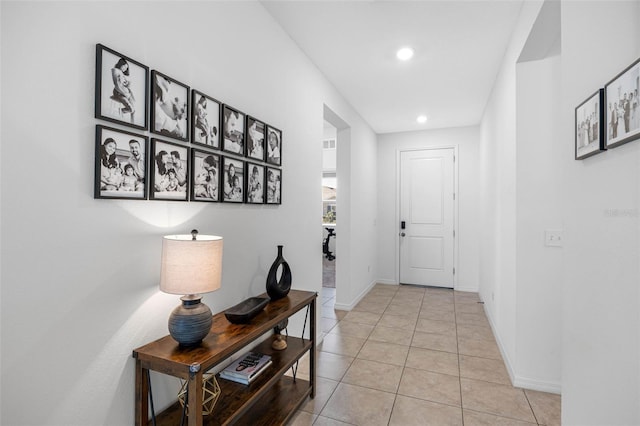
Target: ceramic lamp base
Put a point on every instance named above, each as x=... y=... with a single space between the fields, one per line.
x=190 y=322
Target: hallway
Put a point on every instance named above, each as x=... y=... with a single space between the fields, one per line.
x=408 y=355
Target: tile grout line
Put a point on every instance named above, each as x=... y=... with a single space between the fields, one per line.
x=455 y=318
x=339 y=381
x=395 y=396
x=397 y=392
x=531 y=407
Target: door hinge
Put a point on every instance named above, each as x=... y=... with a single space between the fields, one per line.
x=454 y=233
x=454 y=195
x=454 y=158
x=454 y=271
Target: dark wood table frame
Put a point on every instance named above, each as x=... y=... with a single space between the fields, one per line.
x=236 y=401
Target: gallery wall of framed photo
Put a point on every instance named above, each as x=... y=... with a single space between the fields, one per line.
x=176 y=143
x=610 y=117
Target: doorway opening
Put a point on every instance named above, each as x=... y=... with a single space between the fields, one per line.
x=329 y=211
x=427 y=213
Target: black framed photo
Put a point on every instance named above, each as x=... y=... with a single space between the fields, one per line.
x=121 y=88
x=232 y=180
x=274 y=146
x=205 y=123
x=623 y=115
x=255 y=188
x=169 y=107
x=590 y=126
x=274 y=186
x=121 y=160
x=232 y=130
x=205 y=178
x=255 y=138
x=169 y=171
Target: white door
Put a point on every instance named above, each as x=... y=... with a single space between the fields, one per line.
x=427 y=214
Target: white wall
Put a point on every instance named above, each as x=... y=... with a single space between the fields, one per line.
x=498 y=196
x=598 y=206
x=79 y=275
x=466 y=140
x=538 y=208
x=601 y=297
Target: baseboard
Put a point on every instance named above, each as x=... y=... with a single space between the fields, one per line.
x=537 y=385
x=503 y=352
x=467 y=289
x=390 y=282
x=517 y=380
x=348 y=307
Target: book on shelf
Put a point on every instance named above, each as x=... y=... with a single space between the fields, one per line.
x=243 y=380
x=246 y=368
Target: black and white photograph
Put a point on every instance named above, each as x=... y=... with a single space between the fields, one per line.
x=233 y=130
x=255 y=183
x=169 y=171
x=590 y=126
x=205 y=121
x=232 y=180
x=274 y=145
x=255 y=139
x=623 y=116
x=121 y=159
x=205 y=177
x=169 y=107
x=274 y=186
x=121 y=88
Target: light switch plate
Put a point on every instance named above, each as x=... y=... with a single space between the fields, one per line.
x=553 y=238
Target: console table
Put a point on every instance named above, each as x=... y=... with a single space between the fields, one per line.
x=271 y=399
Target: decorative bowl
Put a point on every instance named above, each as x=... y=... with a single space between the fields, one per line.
x=245 y=310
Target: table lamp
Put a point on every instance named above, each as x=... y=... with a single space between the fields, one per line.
x=191 y=265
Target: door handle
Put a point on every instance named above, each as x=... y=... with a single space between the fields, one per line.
x=402 y=234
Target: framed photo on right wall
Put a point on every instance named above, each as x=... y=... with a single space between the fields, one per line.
x=623 y=116
x=590 y=126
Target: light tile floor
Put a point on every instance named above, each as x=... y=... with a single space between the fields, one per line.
x=409 y=355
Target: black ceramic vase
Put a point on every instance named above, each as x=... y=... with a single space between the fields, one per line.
x=277 y=289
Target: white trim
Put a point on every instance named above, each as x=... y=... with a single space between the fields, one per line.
x=503 y=352
x=344 y=307
x=467 y=289
x=456 y=225
x=517 y=380
x=537 y=385
x=387 y=282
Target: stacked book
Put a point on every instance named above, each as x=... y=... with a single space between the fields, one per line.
x=245 y=370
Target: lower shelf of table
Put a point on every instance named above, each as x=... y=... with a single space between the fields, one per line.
x=274 y=408
x=272 y=397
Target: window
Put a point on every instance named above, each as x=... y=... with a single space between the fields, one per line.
x=329 y=144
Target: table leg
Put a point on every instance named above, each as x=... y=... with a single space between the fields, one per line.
x=195 y=399
x=142 y=395
x=312 y=357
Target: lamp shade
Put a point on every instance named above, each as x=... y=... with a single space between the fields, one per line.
x=191 y=266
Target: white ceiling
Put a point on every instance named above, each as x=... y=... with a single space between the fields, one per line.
x=458 y=46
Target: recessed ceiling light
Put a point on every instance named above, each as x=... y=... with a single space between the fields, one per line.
x=405 y=53
x=421 y=119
